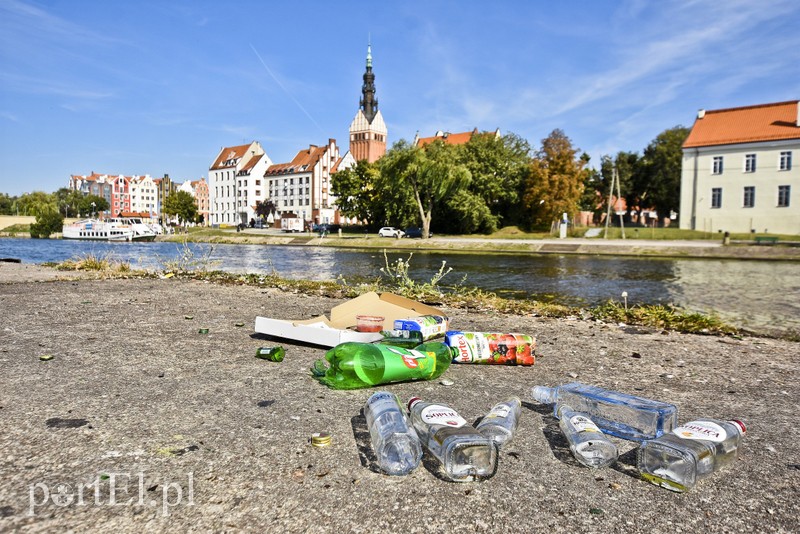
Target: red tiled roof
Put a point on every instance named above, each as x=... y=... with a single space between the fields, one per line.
x=304 y=161
x=252 y=162
x=765 y=122
x=228 y=153
x=448 y=138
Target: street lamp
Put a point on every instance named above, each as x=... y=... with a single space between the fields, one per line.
x=93 y=205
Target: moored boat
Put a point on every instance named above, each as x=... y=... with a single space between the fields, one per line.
x=118 y=229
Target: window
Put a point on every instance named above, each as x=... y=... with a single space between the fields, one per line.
x=783 y=195
x=750 y=163
x=749 y=196
x=258 y=182
x=716 y=197
x=786 y=162
x=717 y=165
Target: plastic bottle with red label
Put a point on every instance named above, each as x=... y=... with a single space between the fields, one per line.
x=464 y=453
x=355 y=365
x=692 y=451
x=492 y=348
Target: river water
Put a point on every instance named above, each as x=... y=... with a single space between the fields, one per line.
x=756 y=294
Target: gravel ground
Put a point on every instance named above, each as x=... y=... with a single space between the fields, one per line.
x=139 y=422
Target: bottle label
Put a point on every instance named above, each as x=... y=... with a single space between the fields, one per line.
x=581 y=423
x=500 y=411
x=502 y=349
x=436 y=414
x=429 y=325
x=704 y=430
x=403 y=364
x=383 y=396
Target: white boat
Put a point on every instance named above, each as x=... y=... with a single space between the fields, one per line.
x=141 y=230
x=119 y=229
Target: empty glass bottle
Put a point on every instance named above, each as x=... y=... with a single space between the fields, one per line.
x=359 y=365
x=500 y=424
x=677 y=460
x=588 y=444
x=618 y=414
x=394 y=440
x=464 y=453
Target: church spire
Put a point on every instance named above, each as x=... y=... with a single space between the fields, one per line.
x=368 y=103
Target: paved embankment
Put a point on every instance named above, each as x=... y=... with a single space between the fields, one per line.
x=189 y=432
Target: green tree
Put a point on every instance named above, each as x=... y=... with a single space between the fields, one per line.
x=498 y=166
x=69 y=201
x=91 y=205
x=48 y=222
x=657 y=183
x=356 y=191
x=7 y=204
x=265 y=208
x=182 y=205
x=430 y=175
x=555 y=180
x=37 y=203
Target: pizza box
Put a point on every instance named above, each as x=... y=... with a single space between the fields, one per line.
x=341 y=325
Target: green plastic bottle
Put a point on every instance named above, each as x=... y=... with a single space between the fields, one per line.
x=361 y=365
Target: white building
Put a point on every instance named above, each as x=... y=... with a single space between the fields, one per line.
x=301 y=187
x=235 y=183
x=740 y=171
x=144 y=195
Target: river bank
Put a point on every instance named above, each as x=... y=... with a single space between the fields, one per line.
x=219 y=439
x=586 y=246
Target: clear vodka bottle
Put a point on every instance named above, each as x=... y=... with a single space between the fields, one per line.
x=464 y=453
x=692 y=451
x=618 y=414
x=588 y=444
x=500 y=424
x=394 y=440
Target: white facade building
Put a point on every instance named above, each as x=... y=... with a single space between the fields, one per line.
x=144 y=195
x=302 y=187
x=741 y=170
x=235 y=183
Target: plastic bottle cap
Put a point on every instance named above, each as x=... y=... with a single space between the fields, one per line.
x=738 y=424
x=412 y=401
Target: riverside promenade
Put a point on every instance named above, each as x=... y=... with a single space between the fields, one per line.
x=139 y=422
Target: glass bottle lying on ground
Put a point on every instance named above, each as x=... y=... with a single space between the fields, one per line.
x=677 y=460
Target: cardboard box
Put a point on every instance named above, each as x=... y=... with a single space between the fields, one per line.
x=341 y=325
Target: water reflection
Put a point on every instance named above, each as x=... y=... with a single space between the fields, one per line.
x=750 y=293
x=747 y=293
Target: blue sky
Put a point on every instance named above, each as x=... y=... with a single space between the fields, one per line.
x=155 y=87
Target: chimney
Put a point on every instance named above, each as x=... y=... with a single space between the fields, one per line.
x=701 y=113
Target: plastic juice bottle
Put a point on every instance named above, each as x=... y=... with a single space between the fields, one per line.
x=359 y=365
x=394 y=440
x=690 y=452
x=492 y=348
x=588 y=445
x=618 y=414
x=464 y=453
x=500 y=424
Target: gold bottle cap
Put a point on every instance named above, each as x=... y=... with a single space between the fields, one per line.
x=320 y=439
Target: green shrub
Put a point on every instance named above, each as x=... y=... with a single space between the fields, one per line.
x=46 y=224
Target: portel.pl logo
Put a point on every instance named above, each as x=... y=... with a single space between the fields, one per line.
x=112 y=489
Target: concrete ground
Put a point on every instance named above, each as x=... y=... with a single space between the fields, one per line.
x=141 y=423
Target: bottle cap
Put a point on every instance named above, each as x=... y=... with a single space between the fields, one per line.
x=320 y=439
x=412 y=401
x=738 y=424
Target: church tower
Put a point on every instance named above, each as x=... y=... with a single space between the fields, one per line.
x=368 y=131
